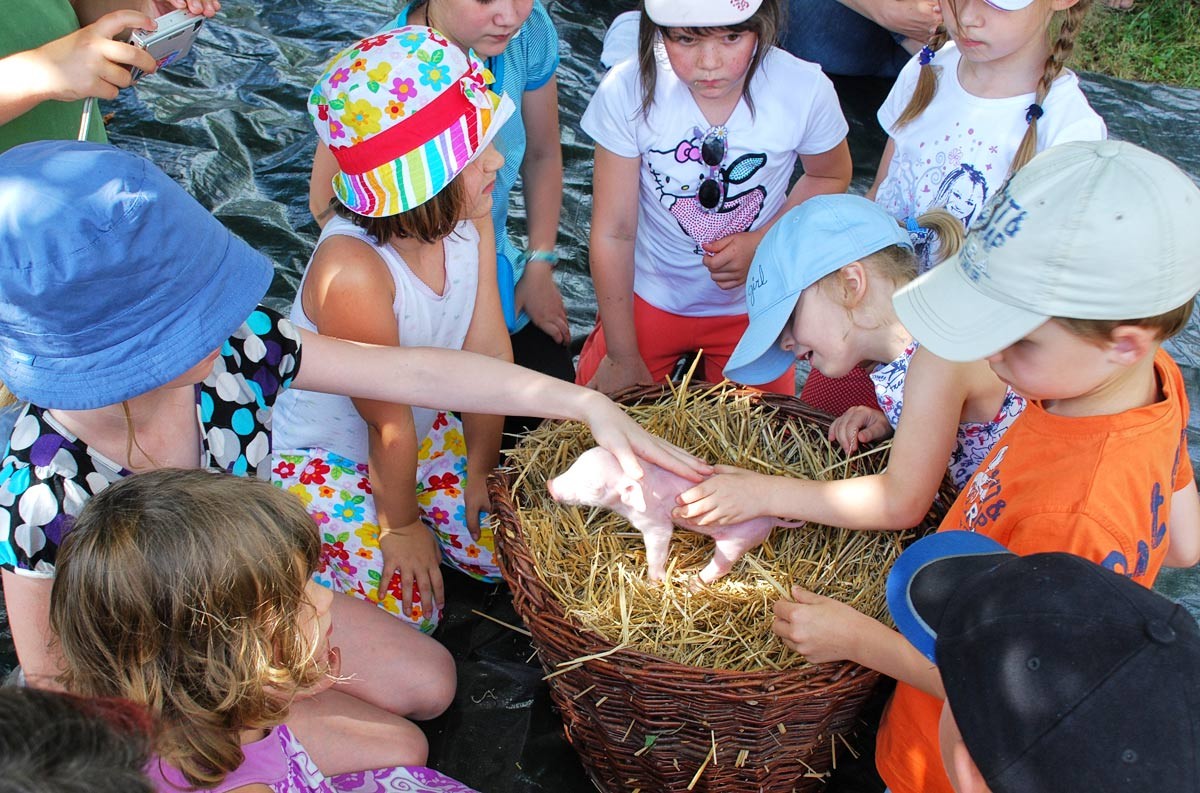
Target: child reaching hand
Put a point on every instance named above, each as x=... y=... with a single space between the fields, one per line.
x=200 y=605
x=408 y=260
x=1067 y=285
x=821 y=289
x=696 y=140
x=55 y=56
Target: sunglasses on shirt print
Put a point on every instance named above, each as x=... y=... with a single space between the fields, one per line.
x=713 y=148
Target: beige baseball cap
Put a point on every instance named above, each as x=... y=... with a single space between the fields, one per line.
x=700 y=13
x=1091 y=230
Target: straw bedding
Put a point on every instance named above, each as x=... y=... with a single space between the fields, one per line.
x=594 y=562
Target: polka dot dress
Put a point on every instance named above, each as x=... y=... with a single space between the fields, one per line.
x=48 y=474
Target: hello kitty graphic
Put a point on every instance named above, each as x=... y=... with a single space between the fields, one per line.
x=734 y=214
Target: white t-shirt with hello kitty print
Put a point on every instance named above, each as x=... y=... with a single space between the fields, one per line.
x=796 y=112
x=958 y=151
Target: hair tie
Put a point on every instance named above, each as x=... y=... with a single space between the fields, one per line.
x=926 y=55
x=1033 y=113
x=916 y=232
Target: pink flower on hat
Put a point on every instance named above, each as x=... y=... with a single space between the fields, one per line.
x=336 y=130
x=362 y=116
x=339 y=76
x=371 y=42
x=403 y=89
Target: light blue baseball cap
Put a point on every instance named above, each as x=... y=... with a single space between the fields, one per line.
x=819 y=237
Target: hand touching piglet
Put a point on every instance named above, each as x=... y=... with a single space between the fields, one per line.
x=596 y=479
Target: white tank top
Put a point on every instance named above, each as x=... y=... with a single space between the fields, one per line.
x=308 y=419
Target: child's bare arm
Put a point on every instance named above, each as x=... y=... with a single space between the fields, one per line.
x=542 y=177
x=86 y=63
x=885 y=162
x=614 y=226
x=487 y=335
x=465 y=381
x=1184 y=528
x=823 y=630
x=342 y=296
x=914 y=19
x=935 y=392
x=27 y=603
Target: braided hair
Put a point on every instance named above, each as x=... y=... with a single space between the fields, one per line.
x=1060 y=52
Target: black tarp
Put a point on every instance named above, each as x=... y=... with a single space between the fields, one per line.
x=230 y=124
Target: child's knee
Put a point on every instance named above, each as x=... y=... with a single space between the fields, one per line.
x=411 y=745
x=440 y=684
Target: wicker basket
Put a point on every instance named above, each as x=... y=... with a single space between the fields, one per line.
x=642 y=723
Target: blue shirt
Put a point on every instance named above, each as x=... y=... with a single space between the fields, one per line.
x=527 y=63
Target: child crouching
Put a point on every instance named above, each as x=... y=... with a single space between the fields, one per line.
x=201 y=607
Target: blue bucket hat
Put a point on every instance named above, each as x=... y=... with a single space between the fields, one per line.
x=819 y=237
x=113 y=280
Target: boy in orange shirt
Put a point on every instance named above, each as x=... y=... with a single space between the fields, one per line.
x=1068 y=283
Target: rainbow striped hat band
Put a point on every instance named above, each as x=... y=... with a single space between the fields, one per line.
x=403 y=112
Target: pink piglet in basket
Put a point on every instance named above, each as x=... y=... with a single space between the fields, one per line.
x=596 y=479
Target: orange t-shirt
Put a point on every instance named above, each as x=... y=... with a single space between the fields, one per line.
x=1096 y=486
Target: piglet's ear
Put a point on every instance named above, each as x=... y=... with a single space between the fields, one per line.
x=631 y=494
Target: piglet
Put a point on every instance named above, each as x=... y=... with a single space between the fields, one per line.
x=596 y=479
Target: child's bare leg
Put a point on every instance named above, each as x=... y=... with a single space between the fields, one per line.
x=343 y=734
x=396 y=674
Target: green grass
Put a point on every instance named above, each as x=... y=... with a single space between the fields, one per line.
x=1156 y=41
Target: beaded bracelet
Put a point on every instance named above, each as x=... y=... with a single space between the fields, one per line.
x=549 y=257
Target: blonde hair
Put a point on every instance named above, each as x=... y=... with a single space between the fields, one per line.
x=766 y=23
x=181 y=590
x=1060 y=52
x=896 y=263
x=1168 y=324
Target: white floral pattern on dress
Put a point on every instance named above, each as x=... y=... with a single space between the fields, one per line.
x=975 y=439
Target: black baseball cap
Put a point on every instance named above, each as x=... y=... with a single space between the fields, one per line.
x=1062 y=675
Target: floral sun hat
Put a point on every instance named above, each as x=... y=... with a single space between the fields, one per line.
x=403 y=113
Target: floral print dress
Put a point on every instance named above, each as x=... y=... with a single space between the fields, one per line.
x=975 y=439
x=336 y=492
x=281 y=762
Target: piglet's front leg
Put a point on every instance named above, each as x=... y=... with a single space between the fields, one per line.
x=657 y=536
